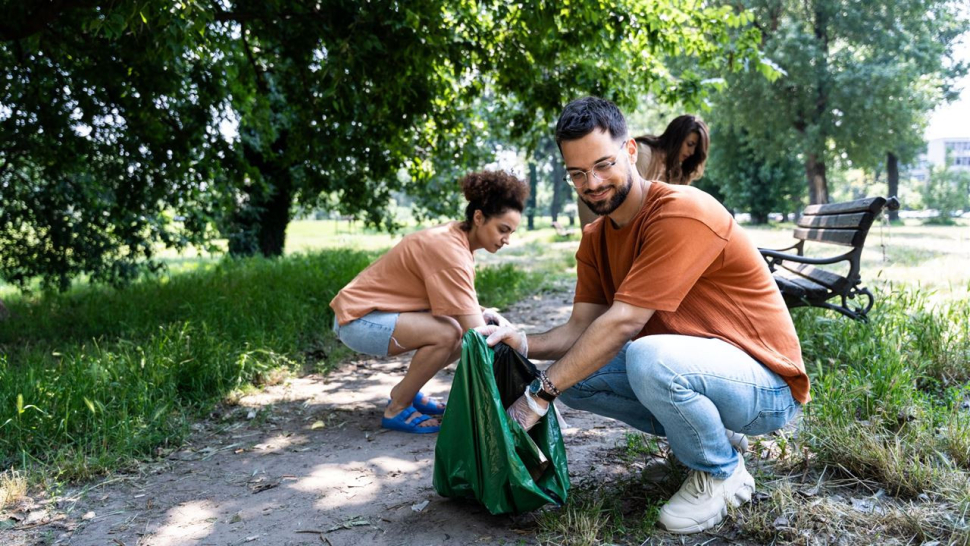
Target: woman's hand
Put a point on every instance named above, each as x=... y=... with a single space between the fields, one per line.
x=492 y=317
x=512 y=337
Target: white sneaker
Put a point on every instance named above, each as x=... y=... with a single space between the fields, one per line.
x=738 y=440
x=701 y=503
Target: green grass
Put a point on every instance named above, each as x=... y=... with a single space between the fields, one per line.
x=91 y=378
x=95 y=378
x=890 y=395
x=617 y=513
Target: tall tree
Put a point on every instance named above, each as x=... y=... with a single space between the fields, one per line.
x=859 y=76
x=946 y=190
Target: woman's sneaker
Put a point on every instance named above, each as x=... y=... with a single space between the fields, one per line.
x=701 y=502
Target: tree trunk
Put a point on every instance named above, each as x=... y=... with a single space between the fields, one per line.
x=558 y=189
x=259 y=225
x=275 y=217
x=818 y=189
x=4 y=312
x=533 y=187
x=892 y=179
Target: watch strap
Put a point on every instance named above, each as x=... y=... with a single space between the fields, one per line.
x=548 y=397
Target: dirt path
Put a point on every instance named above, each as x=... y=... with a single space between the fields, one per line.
x=306 y=462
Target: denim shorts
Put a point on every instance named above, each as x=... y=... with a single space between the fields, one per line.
x=370 y=334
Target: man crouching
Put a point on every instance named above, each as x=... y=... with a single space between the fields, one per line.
x=677 y=327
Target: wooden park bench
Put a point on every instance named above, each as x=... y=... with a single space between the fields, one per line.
x=561 y=230
x=802 y=282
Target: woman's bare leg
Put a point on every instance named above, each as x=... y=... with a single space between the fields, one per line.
x=436 y=342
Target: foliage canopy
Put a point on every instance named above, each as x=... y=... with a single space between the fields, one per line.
x=128 y=125
x=860 y=79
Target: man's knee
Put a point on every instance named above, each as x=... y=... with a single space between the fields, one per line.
x=645 y=361
x=654 y=371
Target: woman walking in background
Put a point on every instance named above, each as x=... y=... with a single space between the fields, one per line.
x=678 y=155
x=421 y=297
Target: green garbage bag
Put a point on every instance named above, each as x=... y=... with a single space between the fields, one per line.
x=481 y=454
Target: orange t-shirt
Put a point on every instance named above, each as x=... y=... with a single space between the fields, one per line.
x=432 y=269
x=685 y=257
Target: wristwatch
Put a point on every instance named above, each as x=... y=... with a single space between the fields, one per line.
x=536 y=389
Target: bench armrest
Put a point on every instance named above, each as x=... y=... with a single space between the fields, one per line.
x=796 y=246
x=768 y=253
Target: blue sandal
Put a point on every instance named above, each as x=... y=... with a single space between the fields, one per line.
x=400 y=422
x=428 y=408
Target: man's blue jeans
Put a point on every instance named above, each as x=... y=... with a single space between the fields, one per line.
x=690 y=390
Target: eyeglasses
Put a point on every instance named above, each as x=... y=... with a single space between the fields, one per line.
x=578 y=179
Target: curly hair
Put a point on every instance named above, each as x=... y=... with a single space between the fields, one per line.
x=493 y=193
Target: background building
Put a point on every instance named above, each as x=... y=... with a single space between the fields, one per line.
x=937 y=150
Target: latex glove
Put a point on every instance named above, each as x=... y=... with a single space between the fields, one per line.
x=492 y=317
x=526 y=411
x=512 y=337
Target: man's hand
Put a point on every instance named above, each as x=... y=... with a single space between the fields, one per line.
x=492 y=317
x=512 y=337
x=526 y=411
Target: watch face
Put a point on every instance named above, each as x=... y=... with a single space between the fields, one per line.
x=535 y=386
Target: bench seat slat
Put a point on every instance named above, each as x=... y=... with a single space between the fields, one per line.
x=844 y=237
x=853 y=221
x=799 y=287
x=828 y=279
x=870 y=204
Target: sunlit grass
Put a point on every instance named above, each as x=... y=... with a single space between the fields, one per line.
x=13 y=487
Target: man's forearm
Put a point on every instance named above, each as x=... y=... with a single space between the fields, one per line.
x=555 y=343
x=599 y=343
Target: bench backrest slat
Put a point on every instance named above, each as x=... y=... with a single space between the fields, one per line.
x=869 y=204
x=850 y=221
x=844 y=224
x=844 y=237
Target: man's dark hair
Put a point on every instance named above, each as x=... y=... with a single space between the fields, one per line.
x=582 y=116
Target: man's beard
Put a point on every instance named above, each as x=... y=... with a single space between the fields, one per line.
x=602 y=208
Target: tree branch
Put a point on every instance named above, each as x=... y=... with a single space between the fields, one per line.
x=260 y=81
